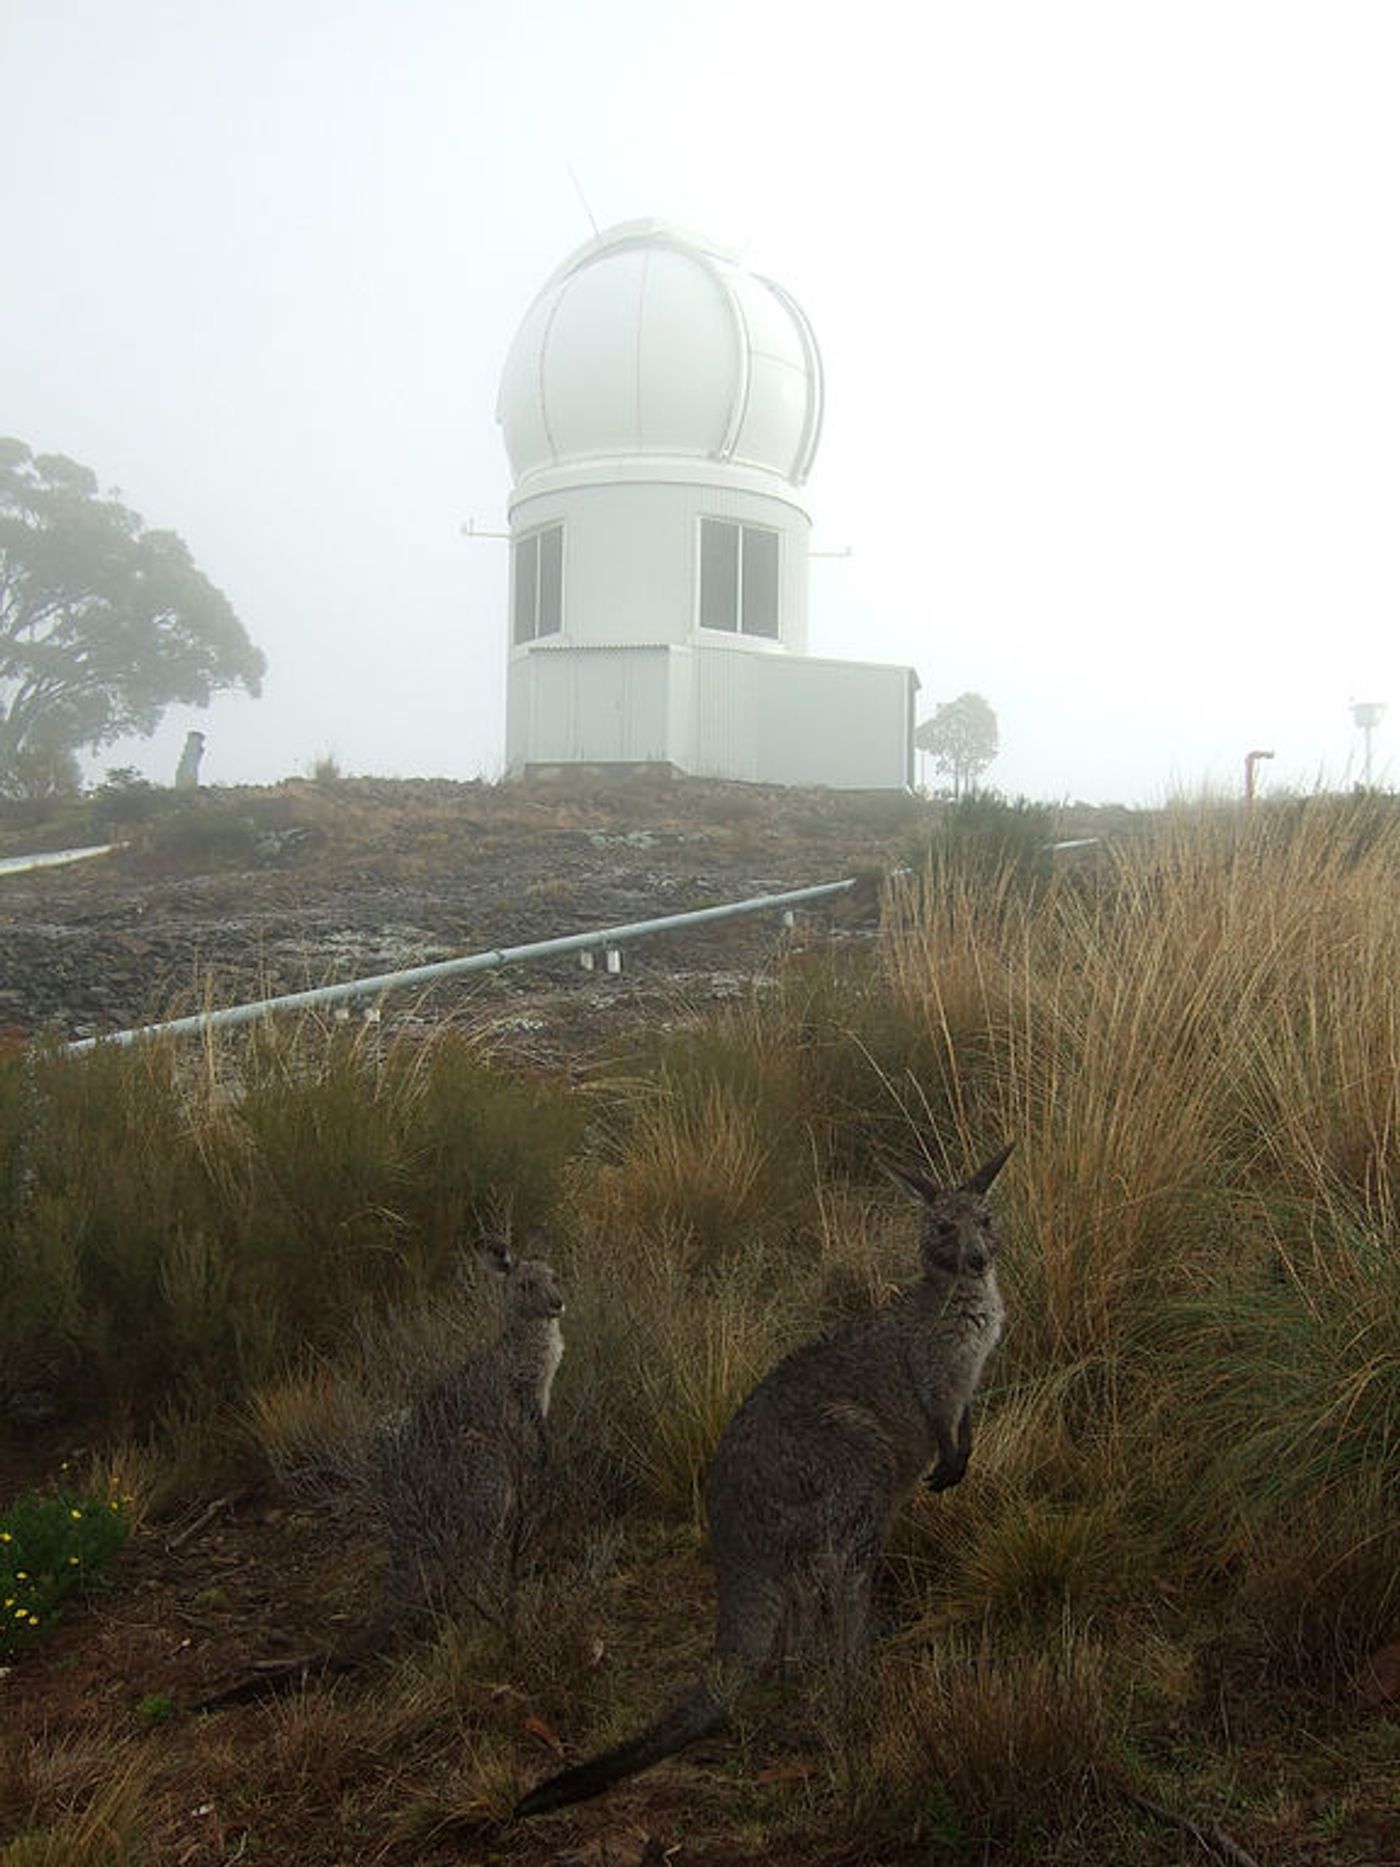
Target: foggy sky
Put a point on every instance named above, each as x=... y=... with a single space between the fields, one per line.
x=1108 y=298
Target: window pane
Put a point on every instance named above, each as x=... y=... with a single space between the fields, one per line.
x=719 y=575
x=760 y=582
x=527 y=564
x=551 y=580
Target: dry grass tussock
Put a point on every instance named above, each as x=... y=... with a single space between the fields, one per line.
x=1217 y=1011
x=1000 y=1743
x=103 y=1798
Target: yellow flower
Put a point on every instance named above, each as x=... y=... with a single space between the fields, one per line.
x=76 y=1515
x=5 y=1537
x=72 y=1562
x=9 y=1601
x=21 y=1575
x=20 y=1613
x=33 y=1620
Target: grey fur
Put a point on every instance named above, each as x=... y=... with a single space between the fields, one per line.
x=810 y=1472
x=453 y=1473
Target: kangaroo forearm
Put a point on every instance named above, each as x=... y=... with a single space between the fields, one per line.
x=954 y=1450
x=543 y=1442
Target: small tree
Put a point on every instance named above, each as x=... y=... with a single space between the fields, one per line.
x=38 y=773
x=103 y=624
x=962 y=738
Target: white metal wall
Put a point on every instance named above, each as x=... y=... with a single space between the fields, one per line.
x=846 y=724
x=724 y=737
x=714 y=712
x=631 y=558
x=588 y=706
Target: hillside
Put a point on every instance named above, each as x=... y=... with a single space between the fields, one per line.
x=237 y=894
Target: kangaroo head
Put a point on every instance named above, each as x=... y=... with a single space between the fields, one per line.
x=529 y=1288
x=531 y=1291
x=959 y=1235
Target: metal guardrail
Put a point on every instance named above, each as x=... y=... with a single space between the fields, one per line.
x=55 y=858
x=598 y=939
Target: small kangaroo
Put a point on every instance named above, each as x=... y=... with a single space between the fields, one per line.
x=452 y=1473
x=810 y=1471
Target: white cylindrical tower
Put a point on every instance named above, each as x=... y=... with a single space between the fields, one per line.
x=661 y=406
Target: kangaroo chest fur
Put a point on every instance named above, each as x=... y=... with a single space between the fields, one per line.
x=531 y=1356
x=551 y=1353
x=949 y=1335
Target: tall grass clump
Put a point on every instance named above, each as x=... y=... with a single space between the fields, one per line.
x=1195 y=1046
x=1136 y=1026
x=979 y=1743
x=1295 y=1472
x=807 y=1081
x=109 y=1814
x=176 y=1230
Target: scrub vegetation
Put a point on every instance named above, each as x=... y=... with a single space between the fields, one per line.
x=1158 y=1621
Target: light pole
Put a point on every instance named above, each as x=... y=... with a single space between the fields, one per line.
x=1251 y=759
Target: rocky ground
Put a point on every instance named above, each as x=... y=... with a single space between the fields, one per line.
x=232 y=895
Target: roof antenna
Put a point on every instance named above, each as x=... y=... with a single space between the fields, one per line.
x=578 y=189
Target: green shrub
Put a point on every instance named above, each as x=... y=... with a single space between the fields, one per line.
x=50 y=1548
x=325 y=770
x=197 y=829
x=985 y=838
x=125 y=798
x=172 y=1232
x=40 y=774
x=156 y=1708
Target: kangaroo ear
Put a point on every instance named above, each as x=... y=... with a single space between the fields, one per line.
x=918 y=1184
x=988 y=1171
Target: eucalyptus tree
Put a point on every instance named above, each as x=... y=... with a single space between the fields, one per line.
x=103 y=623
x=961 y=737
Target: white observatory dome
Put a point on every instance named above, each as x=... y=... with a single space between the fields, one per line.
x=651 y=342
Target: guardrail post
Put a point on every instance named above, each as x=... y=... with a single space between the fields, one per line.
x=609 y=939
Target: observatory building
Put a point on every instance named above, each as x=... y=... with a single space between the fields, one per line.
x=661 y=407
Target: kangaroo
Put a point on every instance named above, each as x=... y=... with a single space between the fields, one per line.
x=451 y=1478
x=452 y=1474
x=810 y=1471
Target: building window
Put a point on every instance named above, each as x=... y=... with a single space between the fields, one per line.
x=738 y=578
x=539 y=584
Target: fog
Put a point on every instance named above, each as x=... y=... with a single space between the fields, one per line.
x=1108 y=298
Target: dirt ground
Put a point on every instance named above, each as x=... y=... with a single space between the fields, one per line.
x=181 y=1665
x=184 y=1659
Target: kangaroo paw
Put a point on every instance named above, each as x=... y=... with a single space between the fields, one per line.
x=944 y=1477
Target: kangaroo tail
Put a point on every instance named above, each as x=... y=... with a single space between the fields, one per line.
x=697 y=1715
